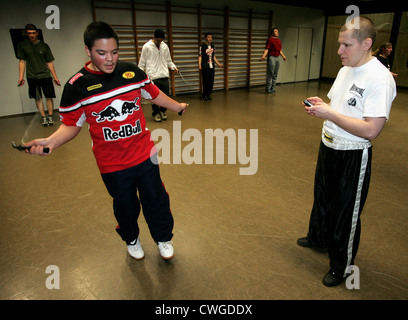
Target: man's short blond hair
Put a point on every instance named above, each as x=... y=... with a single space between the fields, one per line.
x=365 y=30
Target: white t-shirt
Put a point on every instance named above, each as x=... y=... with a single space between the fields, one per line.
x=360 y=92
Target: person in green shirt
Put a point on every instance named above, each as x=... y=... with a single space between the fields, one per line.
x=35 y=58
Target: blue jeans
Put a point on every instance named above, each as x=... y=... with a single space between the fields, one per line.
x=272 y=73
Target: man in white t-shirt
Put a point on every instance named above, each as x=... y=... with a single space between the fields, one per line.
x=360 y=104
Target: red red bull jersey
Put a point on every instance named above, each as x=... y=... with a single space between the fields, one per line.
x=111 y=105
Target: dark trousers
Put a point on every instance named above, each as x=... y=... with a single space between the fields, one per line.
x=341 y=186
x=163 y=85
x=123 y=187
x=208 y=80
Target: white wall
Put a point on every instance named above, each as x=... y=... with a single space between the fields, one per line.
x=304 y=18
x=67 y=43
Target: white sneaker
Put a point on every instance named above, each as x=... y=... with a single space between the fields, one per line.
x=166 y=249
x=163 y=116
x=44 y=121
x=157 y=117
x=135 y=249
x=50 y=120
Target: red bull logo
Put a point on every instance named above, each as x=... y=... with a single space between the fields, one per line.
x=118 y=110
x=125 y=131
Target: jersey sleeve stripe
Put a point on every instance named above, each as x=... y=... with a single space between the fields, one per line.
x=70 y=108
x=107 y=95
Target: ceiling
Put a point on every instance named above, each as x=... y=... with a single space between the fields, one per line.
x=338 y=7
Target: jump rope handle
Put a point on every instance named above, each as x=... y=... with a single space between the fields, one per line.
x=22 y=148
x=181 y=112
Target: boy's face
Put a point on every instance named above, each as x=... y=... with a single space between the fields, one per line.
x=32 y=35
x=209 y=38
x=157 y=41
x=104 y=55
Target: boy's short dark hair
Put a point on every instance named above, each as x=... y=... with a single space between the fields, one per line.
x=30 y=26
x=98 y=30
x=208 y=34
x=159 y=33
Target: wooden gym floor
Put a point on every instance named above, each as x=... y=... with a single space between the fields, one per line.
x=234 y=236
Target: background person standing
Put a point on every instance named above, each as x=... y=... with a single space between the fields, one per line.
x=273 y=50
x=383 y=53
x=206 y=59
x=36 y=59
x=155 y=59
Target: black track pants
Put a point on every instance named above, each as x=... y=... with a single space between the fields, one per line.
x=342 y=179
x=144 y=179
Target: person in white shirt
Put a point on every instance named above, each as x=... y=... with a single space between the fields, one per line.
x=360 y=104
x=156 y=61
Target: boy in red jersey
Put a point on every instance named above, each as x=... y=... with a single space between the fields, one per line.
x=107 y=94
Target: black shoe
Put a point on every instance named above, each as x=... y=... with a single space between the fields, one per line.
x=331 y=278
x=205 y=98
x=305 y=242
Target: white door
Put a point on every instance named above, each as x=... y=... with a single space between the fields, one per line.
x=304 y=54
x=296 y=46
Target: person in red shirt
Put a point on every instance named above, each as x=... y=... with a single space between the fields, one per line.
x=273 y=50
x=106 y=93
